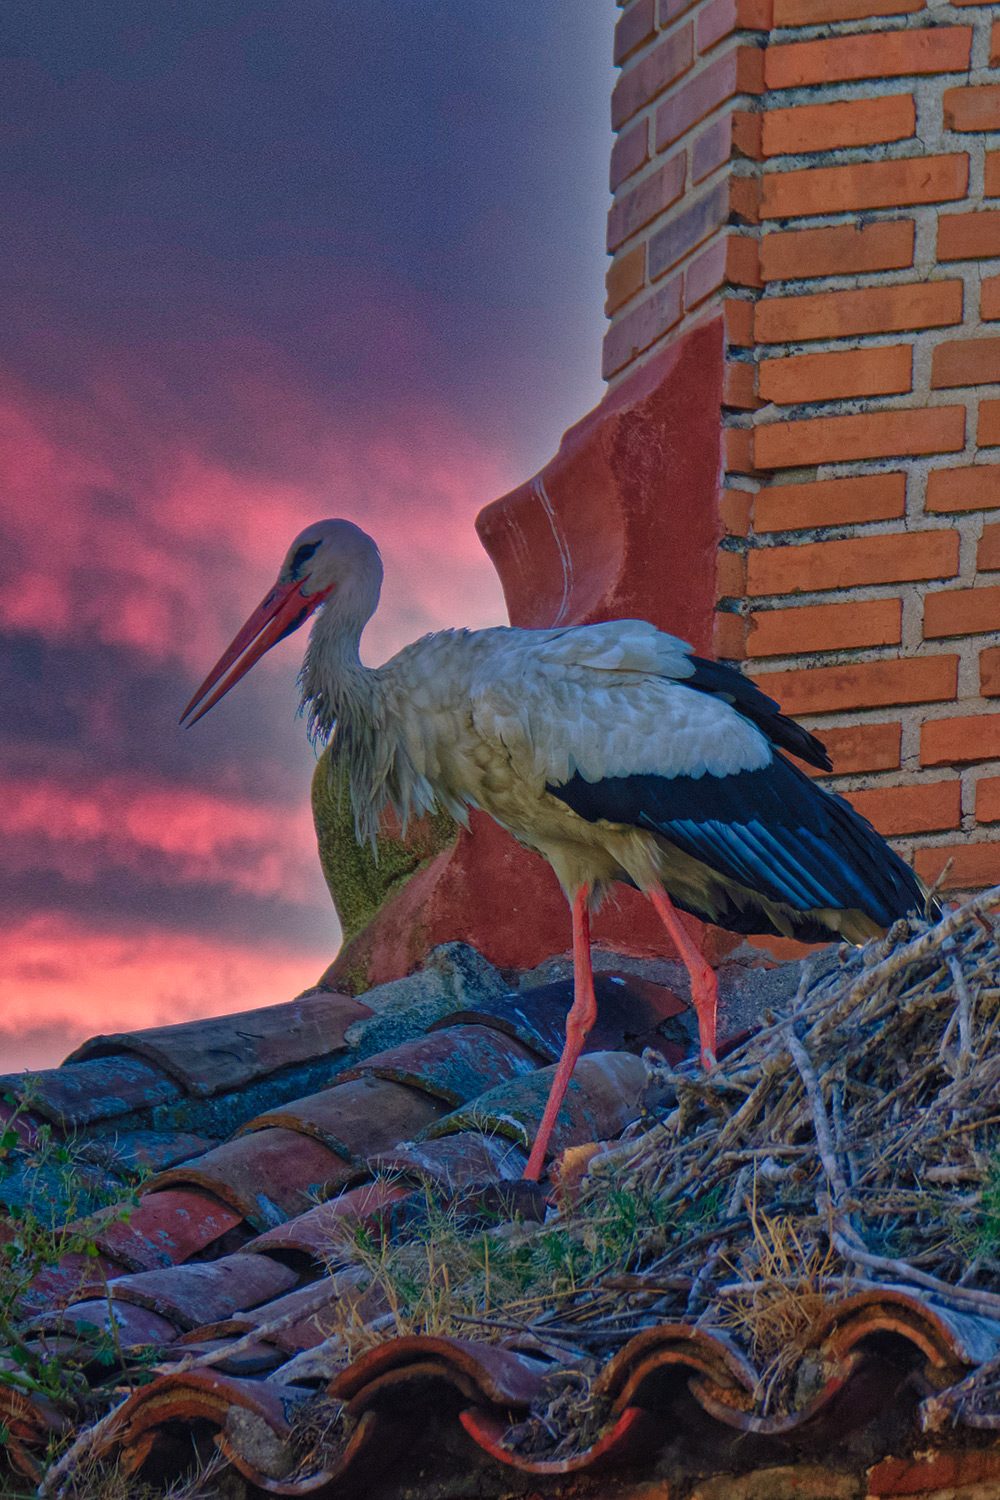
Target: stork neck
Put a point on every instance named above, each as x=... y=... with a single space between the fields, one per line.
x=336 y=686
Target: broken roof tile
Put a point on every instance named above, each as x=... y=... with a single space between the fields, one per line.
x=220 y=1053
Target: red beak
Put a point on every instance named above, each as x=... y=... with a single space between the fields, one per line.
x=284 y=610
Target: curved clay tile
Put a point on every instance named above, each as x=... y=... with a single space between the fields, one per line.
x=356 y=1119
x=317 y=1232
x=604 y=1095
x=633 y=1435
x=454 y=1065
x=479 y=1371
x=266 y=1177
x=220 y=1053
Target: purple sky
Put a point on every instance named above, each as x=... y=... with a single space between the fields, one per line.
x=291 y=261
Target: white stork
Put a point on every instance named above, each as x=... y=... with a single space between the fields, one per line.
x=610 y=749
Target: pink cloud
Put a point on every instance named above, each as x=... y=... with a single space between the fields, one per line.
x=159 y=544
x=63 y=983
x=119 y=823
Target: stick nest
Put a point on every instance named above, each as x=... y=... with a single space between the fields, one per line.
x=852 y=1142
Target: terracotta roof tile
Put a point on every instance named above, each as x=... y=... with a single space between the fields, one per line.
x=265 y=1177
x=263 y=1324
x=205 y=1292
x=454 y=1065
x=84 y=1092
x=357 y=1118
x=604 y=1095
x=220 y=1053
x=629 y=1011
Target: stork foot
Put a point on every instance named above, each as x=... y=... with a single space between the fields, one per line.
x=704 y=984
x=581 y=1018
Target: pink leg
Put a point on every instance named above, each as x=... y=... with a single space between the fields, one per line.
x=581 y=1018
x=704 y=985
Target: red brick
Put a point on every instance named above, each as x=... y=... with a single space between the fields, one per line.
x=825 y=627
x=831 y=502
x=795 y=254
x=973 y=487
x=626 y=276
x=882 y=434
x=654 y=193
x=965 y=362
x=873 y=54
x=738 y=322
x=988 y=425
x=989 y=672
x=730 y=575
x=875 y=309
x=739 y=385
x=991 y=176
x=988 y=555
x=872 y=684
x=712 y=148
x=635 y=27
x=738 y=71
x=828 y=377
x=945 y=742
x=820 y=12
x=747 y=128
x=976 y=108
x=721 y=18
x=654 y=72
x=989 y=298
x=729 y=635
x=961 y=612
x=729 y=260
x=629 y=152
x=994 y=44
x=969 y=236
x=863 y=185
x=744 y=199
x=669 y=10
x=855 y=122
x=735 y=510
x=863 y=747
x=973 y=865
x=853 y=562
x=687 y=228
x=739 y=450
x=736 y=133
x=926 y=808
x=636 y=330
x=988 y=799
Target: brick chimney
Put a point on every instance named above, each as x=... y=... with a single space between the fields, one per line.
x=817 y=175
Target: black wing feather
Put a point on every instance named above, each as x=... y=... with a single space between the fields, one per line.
x=726 y=683
x=772 y=830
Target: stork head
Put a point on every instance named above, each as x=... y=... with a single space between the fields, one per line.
x=330 y=560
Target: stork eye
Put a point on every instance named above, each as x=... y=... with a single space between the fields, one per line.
x=303 y=554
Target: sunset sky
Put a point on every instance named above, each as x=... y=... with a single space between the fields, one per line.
x=261 y=263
